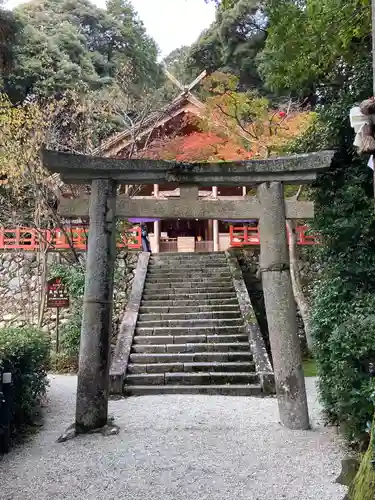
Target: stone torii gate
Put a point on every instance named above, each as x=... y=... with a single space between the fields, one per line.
x=270 y=207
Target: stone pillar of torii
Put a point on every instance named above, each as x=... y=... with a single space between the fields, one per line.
x=269 y=207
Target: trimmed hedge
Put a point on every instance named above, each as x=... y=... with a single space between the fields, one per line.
x=346 y=359
x=25 y=352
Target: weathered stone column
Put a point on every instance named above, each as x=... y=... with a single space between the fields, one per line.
x=281 y=308
x=157 y=224
x=94 y=356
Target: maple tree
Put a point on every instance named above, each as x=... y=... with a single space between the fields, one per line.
x=266 y=130
x=235 y=126
x=196 y=146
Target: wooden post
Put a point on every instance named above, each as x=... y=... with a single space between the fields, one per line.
x=57 y=330
x=281 y=308
x=94 y=357
x=215 y=225
x=157 y=224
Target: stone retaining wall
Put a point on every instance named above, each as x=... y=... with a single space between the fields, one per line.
x=248 y=259
x=21 y=278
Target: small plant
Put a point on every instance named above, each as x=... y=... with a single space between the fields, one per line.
x=25 y=352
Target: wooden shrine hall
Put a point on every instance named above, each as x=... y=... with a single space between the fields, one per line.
x=181 y=117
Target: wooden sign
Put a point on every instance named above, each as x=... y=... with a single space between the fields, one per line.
x=57 y=294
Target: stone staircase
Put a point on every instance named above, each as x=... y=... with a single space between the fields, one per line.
x=190 y=335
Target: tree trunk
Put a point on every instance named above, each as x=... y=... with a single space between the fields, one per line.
x=299 y=295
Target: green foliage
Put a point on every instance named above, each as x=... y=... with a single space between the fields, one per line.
x=343 y=296
x=290 y=59
x=309 y=368
x=73 y=276
x=363 y=486
x=343 y=303
x=9 y=30
x=71 y=332
x=344 y=353
x=233 y=41
x=72 y=44
x=25 y=352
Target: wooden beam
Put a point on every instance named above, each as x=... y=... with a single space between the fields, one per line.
x=174 y=80
x=181 y=208
x=197 y=80
x=80 y=169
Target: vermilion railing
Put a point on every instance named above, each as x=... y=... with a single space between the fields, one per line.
x=23 y=238
x=243 y=235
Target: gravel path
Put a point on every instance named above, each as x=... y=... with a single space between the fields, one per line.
x=176 y=448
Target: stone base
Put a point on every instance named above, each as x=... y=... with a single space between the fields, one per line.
x=110 y=429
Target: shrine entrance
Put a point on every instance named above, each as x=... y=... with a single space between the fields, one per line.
x=269 y=207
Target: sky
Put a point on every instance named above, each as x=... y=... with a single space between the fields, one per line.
x=172 y=23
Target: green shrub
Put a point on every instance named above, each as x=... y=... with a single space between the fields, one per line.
x=25 y=352
x=71 y=332
x=74 y=278
x=344 y=333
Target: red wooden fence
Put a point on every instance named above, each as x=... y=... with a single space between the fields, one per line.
x=23 y=238
x=243 y=235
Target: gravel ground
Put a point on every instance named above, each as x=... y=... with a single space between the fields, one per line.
x=176 y=448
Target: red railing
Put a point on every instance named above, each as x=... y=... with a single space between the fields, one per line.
x=243 y=235
x=23 y=238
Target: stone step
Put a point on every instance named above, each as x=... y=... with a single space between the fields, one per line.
x=204 y=264
x=154 y=295
x=186 y=339
x=162 y=281
x=222 y=390
x=187 y=290
x=187 y=323
x=189 y=267
x=185 y=284
x=188 y=255
x=187 y=357
x=147 y=309
x=178 y=271
x=216 y=314
x=179 y=277
x=205 y=366
x=149 y=303
x=193 y=330
x=190 y=348
x=186 y=378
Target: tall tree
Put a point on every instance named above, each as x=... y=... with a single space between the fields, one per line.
x=233 y=41
x=70 y=44
x=9 y=30
x=340 y=73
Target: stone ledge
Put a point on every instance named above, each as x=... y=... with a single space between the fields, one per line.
x=127 y=328
x=258 y=348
